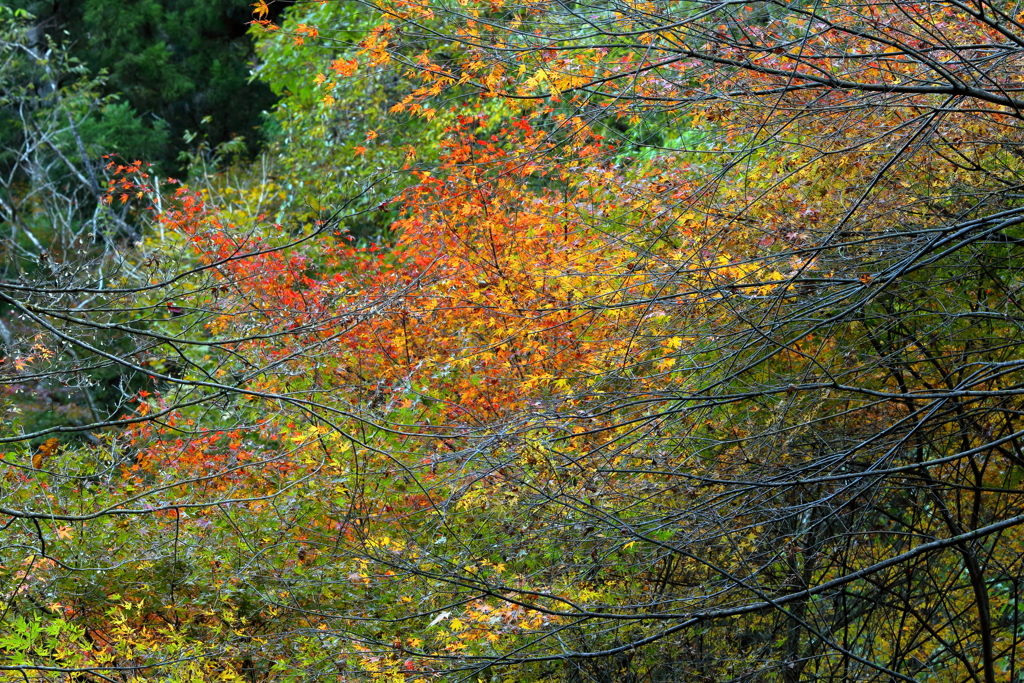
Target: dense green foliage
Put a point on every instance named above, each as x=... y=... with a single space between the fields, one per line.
x=181 y=71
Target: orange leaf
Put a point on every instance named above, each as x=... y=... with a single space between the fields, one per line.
x=310 y=31
x=344 y=67
x=46 y=449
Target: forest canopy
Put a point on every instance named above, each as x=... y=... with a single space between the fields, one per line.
x=484 y=341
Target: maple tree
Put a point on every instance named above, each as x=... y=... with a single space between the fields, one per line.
x=694 y=355
x=830 y=252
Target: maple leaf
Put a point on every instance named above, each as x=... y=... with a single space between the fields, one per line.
x=344 y=67
x=310 y=31
x=439 y=618
x=261 y=8
x=359 y=150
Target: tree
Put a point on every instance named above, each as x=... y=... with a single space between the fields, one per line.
x=182 y=71
x=833 y=250
x=697 y=359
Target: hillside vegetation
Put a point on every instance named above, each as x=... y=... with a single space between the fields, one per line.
x=631 y=341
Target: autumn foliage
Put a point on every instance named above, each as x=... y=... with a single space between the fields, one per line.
x=690 y=353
